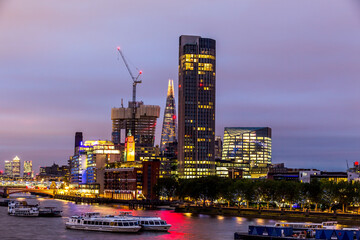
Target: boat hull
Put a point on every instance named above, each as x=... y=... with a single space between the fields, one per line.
x=160 y=228
x=123 y=229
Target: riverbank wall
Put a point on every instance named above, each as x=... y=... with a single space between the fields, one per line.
x=133 y=204
x=277 y=214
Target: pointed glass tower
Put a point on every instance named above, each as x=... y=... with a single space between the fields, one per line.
x=168 y=133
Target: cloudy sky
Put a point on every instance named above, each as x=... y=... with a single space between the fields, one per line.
x=291 y=65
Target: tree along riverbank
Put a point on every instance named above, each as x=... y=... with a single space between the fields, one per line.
x=325 y=195
x=277 y=214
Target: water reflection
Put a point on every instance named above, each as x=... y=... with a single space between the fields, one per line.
x=184 y=226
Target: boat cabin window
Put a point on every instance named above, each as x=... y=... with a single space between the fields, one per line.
x=126 y=224
x=163 y=222
x=120 y=224
x=151 y=222
x=131 y=223
x=78 y=221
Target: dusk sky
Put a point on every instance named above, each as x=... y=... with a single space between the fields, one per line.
x=292 y=65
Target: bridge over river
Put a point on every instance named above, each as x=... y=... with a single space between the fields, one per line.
x=6 y=191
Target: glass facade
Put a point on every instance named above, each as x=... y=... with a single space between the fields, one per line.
x=197 y=58
x=92 y=155
x=249 y=148
x=168 y=134
x=28 y=169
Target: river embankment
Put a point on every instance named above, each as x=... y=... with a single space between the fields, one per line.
x=276 y=214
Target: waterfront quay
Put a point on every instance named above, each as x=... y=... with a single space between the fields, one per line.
x=132 y=204
x=275 y=214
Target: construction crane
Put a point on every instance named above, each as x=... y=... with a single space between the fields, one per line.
x=135 y=79
x=135 y=82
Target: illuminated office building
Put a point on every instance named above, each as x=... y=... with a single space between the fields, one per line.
x=196 y=133
x=28 y=172
x=249 y=149
x=87 y=167
x=15 y=166
x=8 y=168
x=145 y=123
x=168 y=134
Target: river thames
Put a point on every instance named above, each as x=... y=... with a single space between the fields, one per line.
x=184 y=226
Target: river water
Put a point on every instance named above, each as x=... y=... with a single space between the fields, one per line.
x=184 y=225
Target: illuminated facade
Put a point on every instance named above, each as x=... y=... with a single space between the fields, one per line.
x=249 y=149
x=28 y=172
x=129 y=148
x=145 y=123
x=131 y=180
x=87 y=167
x=8 y=168
x=168 y=134
x=15 y=166
x=196 y=133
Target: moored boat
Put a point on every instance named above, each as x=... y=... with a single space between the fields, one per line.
x=22 y=209
x=307 y=226
x=94 y=222
x=49 y=212
x=148 y=223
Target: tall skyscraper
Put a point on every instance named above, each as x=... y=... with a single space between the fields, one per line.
x=168 y=134
x=197 y=64
x=28 y=172
x=15 y=166
x=249 y=149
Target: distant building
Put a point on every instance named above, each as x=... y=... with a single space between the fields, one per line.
x=145 y=123
x=196 y=134
x=8 y=168
x=53 y=173
x=280 y=172
x=28 y=171
x=249 y=148
x=330 y=176
x=15 y=165
x=168 y=134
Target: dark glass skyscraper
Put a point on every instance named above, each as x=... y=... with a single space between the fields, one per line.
x=196 y=136
x=168 y=133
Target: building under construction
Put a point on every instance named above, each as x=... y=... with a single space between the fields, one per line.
x=144 y=123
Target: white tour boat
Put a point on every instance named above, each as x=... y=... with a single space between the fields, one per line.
x=94 y=222
x=307 y=226
x=21 y=209
x=148 y=223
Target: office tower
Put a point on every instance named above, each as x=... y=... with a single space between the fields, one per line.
x=168 y=134
x=145 y=123
x=78 y=140
x=28 y=172
x=218 y=147
x=8 y=168
x=196 y=134
x=248 y=148
x=15 y=166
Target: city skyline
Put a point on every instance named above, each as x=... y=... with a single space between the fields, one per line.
x=299 y=76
